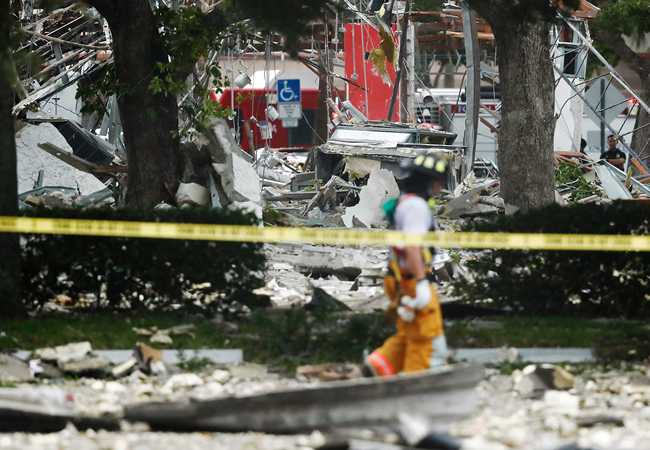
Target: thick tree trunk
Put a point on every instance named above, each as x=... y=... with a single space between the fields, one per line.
x=150 y=121
x=527 y=125
x=9 y=247
x=525 y=154
x=641 y=138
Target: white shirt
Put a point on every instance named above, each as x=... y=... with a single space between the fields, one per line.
x=413 y=215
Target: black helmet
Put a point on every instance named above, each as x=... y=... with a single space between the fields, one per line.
x=421 y=171
x=432 y=165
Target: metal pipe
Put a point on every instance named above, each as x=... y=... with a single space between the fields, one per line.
x=602 y=59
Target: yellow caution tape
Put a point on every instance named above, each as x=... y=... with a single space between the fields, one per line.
x=242 y=233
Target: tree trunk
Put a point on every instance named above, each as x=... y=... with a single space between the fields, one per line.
x=525 y=154
x=641 y=138
x=150 y=121
x=9 y=246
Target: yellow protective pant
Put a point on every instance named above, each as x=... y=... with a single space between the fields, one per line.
x=411 y=348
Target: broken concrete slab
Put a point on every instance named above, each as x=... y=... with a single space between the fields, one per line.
x=535 y=355
x=64 y=353
x=86 y=365
x=380 y=187
x=192 y=194
x=497 y=202
x=13 y=369
x=160 y=337
x=534 y=380
x=248 y=371
x=31 y=159
x=443 y=396
x=456 y=206
x=480 y=209
x=41 y=369
x=319 y=265
x=125 y=368
x=321 y=300
x=238 y=177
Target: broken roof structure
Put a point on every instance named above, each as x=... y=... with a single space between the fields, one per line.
x=68 y=43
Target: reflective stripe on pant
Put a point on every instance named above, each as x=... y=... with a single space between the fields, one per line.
x=399 y=354
x=412 y=348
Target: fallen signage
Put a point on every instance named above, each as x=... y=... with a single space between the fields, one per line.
x=443 y=396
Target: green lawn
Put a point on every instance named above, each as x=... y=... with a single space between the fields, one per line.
x=294 y=337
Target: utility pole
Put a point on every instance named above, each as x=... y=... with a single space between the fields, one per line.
x=407 y=88
x=472 y=86
x=402 y=59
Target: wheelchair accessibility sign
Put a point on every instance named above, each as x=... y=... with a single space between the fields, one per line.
x=288 y=91
x=289 y=107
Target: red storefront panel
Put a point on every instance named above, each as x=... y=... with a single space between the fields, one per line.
x=360 y=40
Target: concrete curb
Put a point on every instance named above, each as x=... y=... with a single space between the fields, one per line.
x=476 y=355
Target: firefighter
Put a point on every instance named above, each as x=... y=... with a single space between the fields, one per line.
x=420 y=340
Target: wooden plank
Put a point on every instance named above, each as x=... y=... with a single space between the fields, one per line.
x=68 y=158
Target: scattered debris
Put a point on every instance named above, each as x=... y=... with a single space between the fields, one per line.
x=161 y=338
x=149 y=359
x=87 y=365
x=65 y=353
x=57 y=175
x=322 y=301
x=534 y=380
x=330 y=372
x=164 y=336
x=124 y=369
x=365 y=401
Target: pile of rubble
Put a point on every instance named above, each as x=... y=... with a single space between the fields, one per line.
x=540 y=406
x=322 y=277
x=547 y=407
x=583 y=178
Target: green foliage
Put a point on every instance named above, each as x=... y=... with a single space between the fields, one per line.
x=630 y=17
x=143 y=274
x=612 y=284
x=187 y=35
x=288 y=17
x=518 y=13
x=296 y=336
x=569 y=174
x=427 y=5
x=96 y=89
